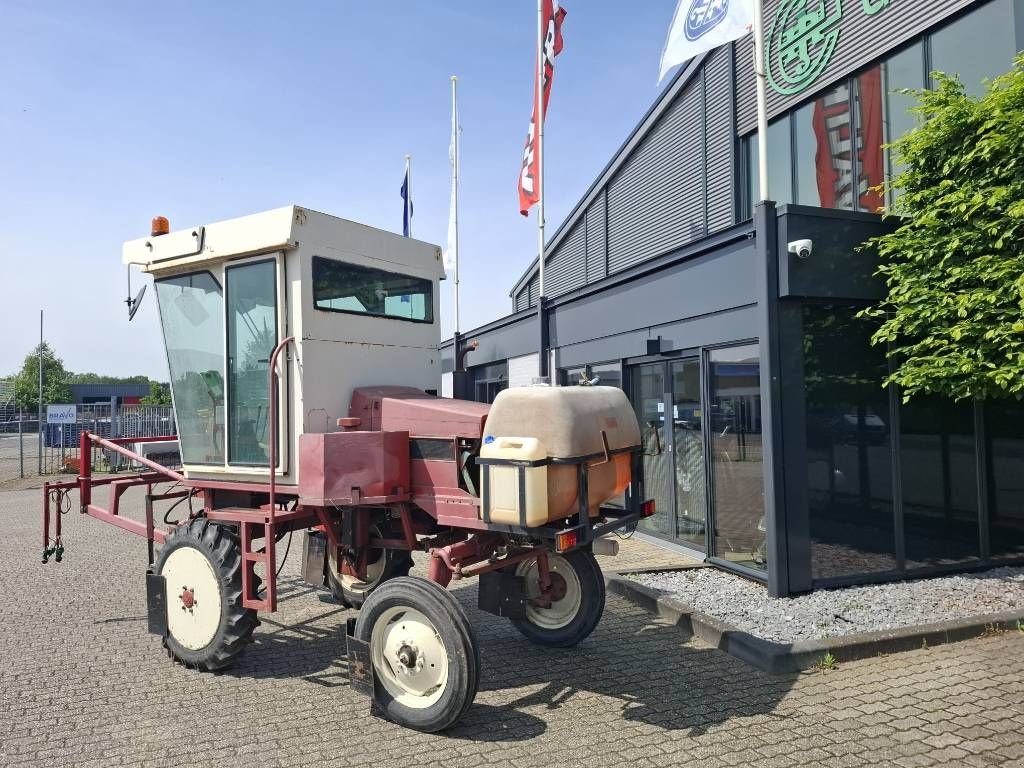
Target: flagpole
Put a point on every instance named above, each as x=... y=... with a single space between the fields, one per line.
x=540 y=143
x=762 y=102
x=455 y=190
x=408 y=191
x=543 y=362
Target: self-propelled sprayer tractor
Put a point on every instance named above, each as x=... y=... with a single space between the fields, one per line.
x=304 y=354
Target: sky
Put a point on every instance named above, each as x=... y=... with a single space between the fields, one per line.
x=114 y=112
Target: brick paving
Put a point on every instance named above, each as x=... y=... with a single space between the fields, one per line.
x=81 y=683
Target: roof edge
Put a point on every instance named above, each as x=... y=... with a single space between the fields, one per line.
x=643 y=127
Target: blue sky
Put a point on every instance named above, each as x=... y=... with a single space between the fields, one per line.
x=111 y=113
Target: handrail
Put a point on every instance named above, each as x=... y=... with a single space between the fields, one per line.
x=273 y=420
x=85 y=462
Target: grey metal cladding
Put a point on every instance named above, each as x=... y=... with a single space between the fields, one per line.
x=656 y=199
x=719 y=140
x=862 y=39
x=567 y=268
x=534 y=291
x=522 y=299
x=597 y=241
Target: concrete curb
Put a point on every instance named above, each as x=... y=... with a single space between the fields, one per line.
x=781 y=658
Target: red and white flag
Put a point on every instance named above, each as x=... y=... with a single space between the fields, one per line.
x=529 y=175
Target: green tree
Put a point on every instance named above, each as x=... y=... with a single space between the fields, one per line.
x=96 y=378
x=954 y=267
x=159 y=394
x=56 y=388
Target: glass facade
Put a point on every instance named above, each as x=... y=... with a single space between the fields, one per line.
x=940 y=487
x=780 y=159
x=838 y=138
x=978 y=46
x=598 y=374
x=648 y=387
x=734 y=415
x=857 y=525
x=1004 y=449
x=849 y=459
x=688 y=447
x=902 y=70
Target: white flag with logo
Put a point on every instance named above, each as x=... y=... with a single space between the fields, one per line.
x=700 y=25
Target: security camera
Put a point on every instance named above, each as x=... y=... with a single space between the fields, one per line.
x=802 y=248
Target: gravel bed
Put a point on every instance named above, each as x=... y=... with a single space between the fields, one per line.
x=828 y=613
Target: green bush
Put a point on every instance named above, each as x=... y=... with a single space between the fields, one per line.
x=954 y=268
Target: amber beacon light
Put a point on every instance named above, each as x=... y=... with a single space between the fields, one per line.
x=160 y=226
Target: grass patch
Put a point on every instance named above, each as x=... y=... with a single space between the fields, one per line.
x=826 y=662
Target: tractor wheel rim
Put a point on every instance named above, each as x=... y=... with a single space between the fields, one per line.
x=374 y=570
x=409 y=658
x=193 y=598
x=563 y=611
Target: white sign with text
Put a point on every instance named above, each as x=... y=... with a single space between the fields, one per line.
x=61 y=414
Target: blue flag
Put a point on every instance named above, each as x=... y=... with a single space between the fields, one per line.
x=406 y=204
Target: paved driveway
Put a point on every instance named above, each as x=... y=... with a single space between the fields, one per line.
x=81 y=683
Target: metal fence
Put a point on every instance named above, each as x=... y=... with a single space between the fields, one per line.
x=24 y=452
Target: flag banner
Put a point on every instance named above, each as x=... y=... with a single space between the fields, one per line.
x=700 y=25
x=529 y=187
x=406 y=205
x=451 y=253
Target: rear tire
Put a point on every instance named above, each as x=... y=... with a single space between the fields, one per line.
x=572 y=618
x=424 y=653
x=381 y=565
x=207 y=627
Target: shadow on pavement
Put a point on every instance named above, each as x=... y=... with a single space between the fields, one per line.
x=649 y=667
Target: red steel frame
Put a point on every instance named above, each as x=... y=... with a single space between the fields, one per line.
x=464 y=548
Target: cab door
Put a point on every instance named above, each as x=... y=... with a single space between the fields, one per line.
x=253 y=320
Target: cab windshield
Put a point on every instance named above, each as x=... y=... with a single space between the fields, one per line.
x=192 y=316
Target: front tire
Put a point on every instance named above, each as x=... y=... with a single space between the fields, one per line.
x=580 y=592
x=424 y=653
x=207 y=627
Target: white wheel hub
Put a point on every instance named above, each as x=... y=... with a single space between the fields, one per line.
x=409 y=657
x=562 y=611
x=374 y=569
x=193 y=598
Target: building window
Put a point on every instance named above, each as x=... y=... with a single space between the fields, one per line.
x=780 y=172
x=489 y=380
x=903 y=70
x=849 y=455
x=978 y=46
x=599 y=374
x=824 y=131
x=341 y=287
x=940 y=489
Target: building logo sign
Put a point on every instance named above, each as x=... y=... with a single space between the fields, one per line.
x=802 y=39
x=703 y=16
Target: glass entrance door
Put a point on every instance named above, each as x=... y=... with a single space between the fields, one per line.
x=688 y=450
x=649 y=396
x=734 y=384
x=666 y=398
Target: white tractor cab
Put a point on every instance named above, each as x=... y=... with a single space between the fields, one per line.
x=362 y=305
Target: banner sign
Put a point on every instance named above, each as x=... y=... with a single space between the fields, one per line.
x=529 y=188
